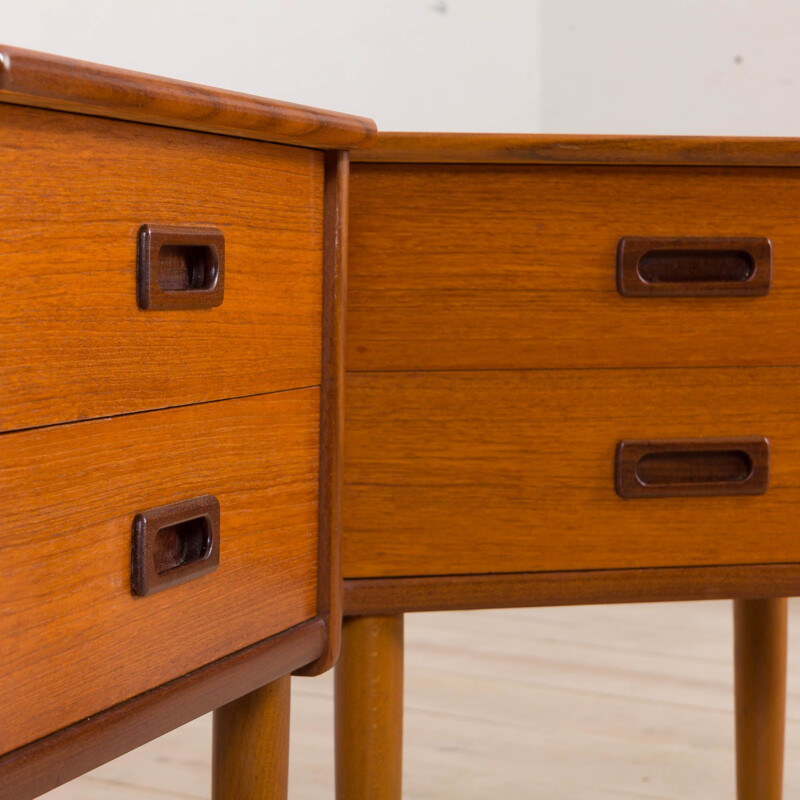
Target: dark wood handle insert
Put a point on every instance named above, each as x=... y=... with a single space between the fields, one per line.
x=174 y=543
x=180 y=268
x=713 y=466
x=692 y=467
x=691 y=267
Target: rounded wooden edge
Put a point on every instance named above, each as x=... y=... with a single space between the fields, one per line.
x=491 y=148
x=47 y=81
x=43 y=765
x=329 y=602
x=371 y=596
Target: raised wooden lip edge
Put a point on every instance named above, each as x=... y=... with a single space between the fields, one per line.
x=369 y=596
x=331 y=425
x=42 y=80
x=545 y=148
x=47 y=763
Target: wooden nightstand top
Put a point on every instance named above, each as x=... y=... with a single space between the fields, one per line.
x=38 y=79
x=497 y=148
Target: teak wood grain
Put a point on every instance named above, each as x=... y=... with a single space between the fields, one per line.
x=506 y=267
x=513 y=471
x=329 y=605
x=40 y=79
x=75 y=639
x=368 y=596
x=76 y=191
x=524 y=148
x=40 y=766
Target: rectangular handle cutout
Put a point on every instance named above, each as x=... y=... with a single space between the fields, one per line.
x=694 y=267
x=692 y=467
x=180 y=268
x=174 y=543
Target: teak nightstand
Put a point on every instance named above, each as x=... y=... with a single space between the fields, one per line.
x=572 y=376
x=170 y=431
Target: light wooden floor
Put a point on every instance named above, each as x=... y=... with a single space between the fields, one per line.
x=596 y=703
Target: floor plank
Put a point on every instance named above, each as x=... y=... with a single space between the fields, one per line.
x=600 y=702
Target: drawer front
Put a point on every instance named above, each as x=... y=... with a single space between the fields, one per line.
x=76 y=191
x=75 y=640
x=489 y=472
x=483 y=267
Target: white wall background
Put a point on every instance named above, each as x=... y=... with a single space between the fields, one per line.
x=726 y=67
x=408 y=64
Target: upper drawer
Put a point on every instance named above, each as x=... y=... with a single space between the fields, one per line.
x=76 y=190
x=74 y=638
x=514 y=266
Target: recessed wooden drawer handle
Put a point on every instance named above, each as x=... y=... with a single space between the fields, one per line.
x=692 y=467
x=173 y=544
x=723 y=267
x=180 y=268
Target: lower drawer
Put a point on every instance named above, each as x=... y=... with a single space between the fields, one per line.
x=75 y=640
x=484 y=472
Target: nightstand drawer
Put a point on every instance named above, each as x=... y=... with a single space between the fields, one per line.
x=76 y=639
x=515 y=266
x=491 y=472
x=77 y=191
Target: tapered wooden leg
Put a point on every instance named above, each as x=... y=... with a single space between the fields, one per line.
x=250 y=758
x=760 y=679
x=369 y=709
